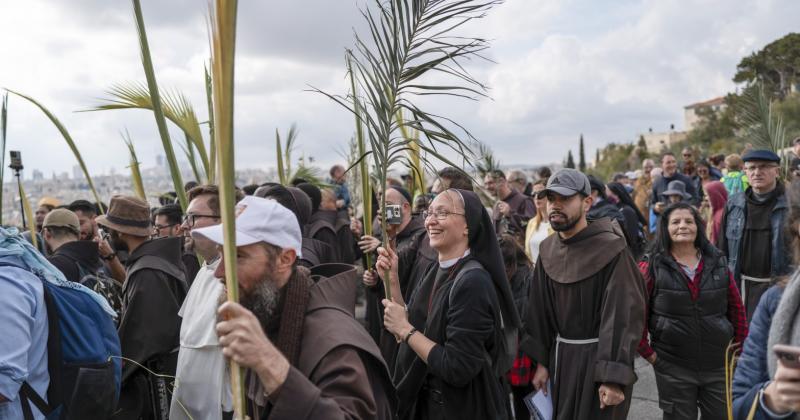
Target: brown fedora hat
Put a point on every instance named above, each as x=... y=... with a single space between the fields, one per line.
x=129 y=215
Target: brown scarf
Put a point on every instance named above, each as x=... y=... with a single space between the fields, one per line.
x=290 y=333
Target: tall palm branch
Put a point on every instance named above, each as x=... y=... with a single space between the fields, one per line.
x=158 y=111
x=3 y=122
x=408 y=40
x=223 y=48
x=68 y=138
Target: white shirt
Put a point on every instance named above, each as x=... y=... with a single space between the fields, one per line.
x=536 y=239
x=202 y=386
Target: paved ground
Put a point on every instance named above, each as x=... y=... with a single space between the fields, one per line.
x=645 y=396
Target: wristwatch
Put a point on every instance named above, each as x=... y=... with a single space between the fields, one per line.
x=110 y=256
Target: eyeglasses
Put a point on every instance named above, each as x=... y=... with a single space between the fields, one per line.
x=190 y=219
x=761 y=167
x=439 y=214
x=159 y=227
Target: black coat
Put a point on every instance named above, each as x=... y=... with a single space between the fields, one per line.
x=149 y=330
x=69 y=256
x=465 y=324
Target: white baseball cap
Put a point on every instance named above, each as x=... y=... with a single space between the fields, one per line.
x=260 y=220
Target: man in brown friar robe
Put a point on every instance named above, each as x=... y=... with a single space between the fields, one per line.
x=586 y=310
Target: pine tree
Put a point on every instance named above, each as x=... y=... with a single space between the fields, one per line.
x=581 y=156
x=570 y=161
x=597 y=157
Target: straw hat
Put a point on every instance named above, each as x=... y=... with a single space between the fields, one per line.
x=50 y=202
x=129 y=215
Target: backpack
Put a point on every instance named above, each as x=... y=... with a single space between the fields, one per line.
x=507 y=351
x=104 y=286
x=83 y=358
x=735 y=182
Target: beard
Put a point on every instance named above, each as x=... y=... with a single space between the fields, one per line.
x=262 y=299
x=566 y=225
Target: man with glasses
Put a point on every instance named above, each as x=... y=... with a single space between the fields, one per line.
x=754 y=239
x=168 y=223
x=204 y=391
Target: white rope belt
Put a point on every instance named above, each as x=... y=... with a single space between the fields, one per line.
x=560 y=339
x=753 y=279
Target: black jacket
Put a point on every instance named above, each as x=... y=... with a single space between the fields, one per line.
x=690 y=333
x=68 y=256
x=149 y=330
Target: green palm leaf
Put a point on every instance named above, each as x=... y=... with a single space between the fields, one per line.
x=223 y=47
x=158 y=111
x=211 y=168
x=408 y=40
x=3 y=122
x=136 y=174
x=763 y=127
x=176 y=108
x=28 y=214
x=67 y=138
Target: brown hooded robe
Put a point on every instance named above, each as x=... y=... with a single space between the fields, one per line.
x=586 y=287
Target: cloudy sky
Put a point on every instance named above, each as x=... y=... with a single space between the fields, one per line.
x=607 y=69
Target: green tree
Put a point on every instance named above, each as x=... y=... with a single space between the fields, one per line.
x=777 y=65
x=581 y=156
x=570 y=162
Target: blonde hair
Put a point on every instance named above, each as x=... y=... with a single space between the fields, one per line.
x=734 y=162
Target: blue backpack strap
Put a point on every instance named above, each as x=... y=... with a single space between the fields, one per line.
x=26 y=393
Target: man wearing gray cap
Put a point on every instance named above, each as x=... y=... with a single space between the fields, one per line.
x=306 y=355
x=587 y=308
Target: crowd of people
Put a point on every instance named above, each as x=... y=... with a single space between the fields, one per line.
x=475 y=296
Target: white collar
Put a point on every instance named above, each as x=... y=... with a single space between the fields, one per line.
x=451 y=262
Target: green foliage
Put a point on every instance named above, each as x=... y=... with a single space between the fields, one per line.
x=581 y=156
x=777 y=66
x=617 y=158
x=486 y=161
x=569 y=162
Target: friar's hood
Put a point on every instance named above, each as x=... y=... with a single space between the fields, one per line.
x=583 y=255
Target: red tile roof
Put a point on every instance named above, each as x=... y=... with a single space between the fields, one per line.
x=716 y=101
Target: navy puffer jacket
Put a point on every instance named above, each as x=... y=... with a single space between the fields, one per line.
x=751 y=370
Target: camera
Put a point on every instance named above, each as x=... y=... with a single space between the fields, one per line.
x=394 y=214
x=16 y=160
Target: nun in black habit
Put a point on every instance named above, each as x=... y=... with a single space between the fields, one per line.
x=452 y=336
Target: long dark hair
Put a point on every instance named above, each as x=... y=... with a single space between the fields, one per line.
x=662 y=243
x=625 y=198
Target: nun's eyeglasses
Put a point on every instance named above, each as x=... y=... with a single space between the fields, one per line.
x=439 y=214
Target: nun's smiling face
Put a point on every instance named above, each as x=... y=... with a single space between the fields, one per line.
x=447 y=225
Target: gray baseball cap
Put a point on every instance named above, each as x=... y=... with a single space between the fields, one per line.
x=568 y=182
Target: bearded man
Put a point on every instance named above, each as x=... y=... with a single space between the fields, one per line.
x=587 y=308
x=306 y=355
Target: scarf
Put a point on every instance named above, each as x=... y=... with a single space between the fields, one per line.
x=290 y=332
x=785 y=327
x=12 y=244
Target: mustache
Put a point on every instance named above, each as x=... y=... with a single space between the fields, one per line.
x=557 y=213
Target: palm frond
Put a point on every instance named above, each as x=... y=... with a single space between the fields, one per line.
x=223 y=47
x=763 y=127
x=414 y=156
x=136 y=174
x=175 y=106
x=486 y=161
x=409 y=40
x=211 y=170
x=158 y=110
x=3 y=126
x=67 y=138
x=282 y=177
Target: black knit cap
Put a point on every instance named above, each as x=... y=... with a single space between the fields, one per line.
x=404 y=192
